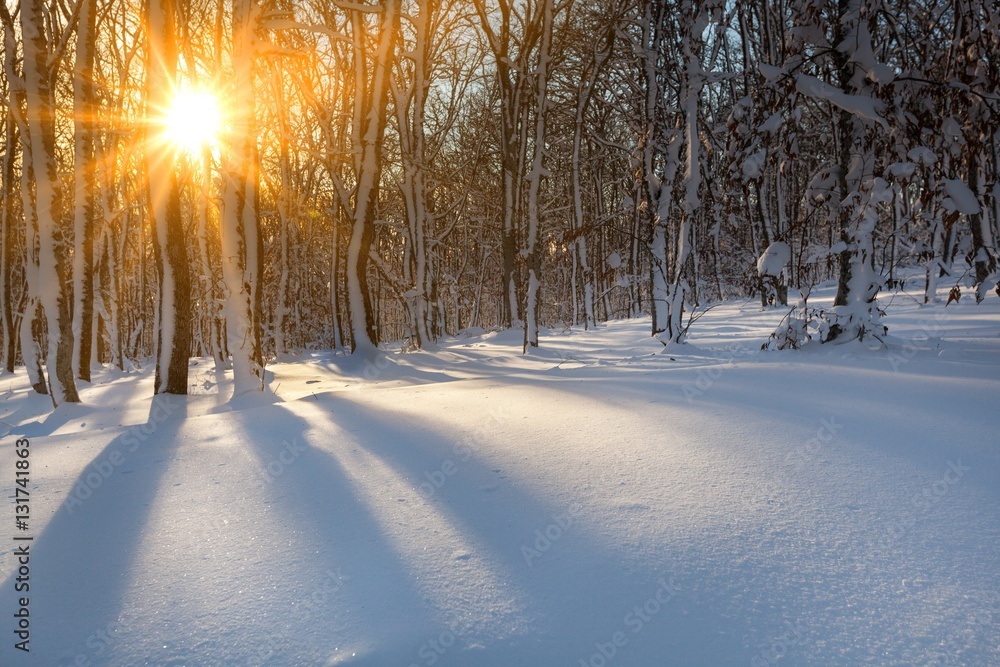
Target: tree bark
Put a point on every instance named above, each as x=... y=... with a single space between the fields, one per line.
x=374 y=79
x=53 y=265
x=174 y=285
x=239 y=230
x=85 y=189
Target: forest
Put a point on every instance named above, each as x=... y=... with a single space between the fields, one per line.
x=240 y=179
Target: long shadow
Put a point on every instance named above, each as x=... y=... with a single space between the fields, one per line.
x=335 y=532
x=80 y=563
x=580 y=569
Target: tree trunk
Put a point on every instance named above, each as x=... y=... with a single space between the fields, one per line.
x=174 y=285
x=538 y=172
x=85 y=189
x=52 y=255
x=693 y=81
x=374 y=79
x=7 y=241
x=982 y=243
x=239 y=228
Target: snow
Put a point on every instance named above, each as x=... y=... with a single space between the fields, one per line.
x=902 y=170
x=863 y=106
x=771 y=73
x=773 y=123
x=715 y=504
x=922 y=154
x=962 y=199
x=774 y=259
x=753 y=166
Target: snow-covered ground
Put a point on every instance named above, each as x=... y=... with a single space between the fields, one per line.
x=599 y=502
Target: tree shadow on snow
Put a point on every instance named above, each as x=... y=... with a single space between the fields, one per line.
x=337 y=533
x=81 y=562
x=575 y=585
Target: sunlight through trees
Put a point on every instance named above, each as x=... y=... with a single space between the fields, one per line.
x=244 y=178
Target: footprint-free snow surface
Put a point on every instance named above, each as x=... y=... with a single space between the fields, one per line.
x=602 y=501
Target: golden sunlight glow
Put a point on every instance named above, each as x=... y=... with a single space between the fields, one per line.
x=193 y=121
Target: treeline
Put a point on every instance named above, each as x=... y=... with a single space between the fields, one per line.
x=407 y=169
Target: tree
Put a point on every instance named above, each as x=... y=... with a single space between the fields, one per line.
x=53 y=265
x=669 y=129
x=85 y=188
x=8 y=191
x=240 y=228
x=173 y=295
x=372 y=56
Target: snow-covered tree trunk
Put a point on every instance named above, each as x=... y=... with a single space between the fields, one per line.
x=53 y=259
x=335 y=297
x=286 y=206
x=173 y=280
x=411 y=107
x=85 y=188
x=374 y=78
x=584 y=94
x=239 y=226
x=8 y=227
x=654 y=185
x=855 y=314
x=505 y=33
x=209 y=302
x=13 y=123
x=535 y=175
x=983 y=251
x=972 y=37
x=695 y=22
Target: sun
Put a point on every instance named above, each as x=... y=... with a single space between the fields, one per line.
x=193 y=122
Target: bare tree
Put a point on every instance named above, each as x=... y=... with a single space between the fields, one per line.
x=240 y=228
x=173 y=295
x=53 y=260
x=85 y=188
